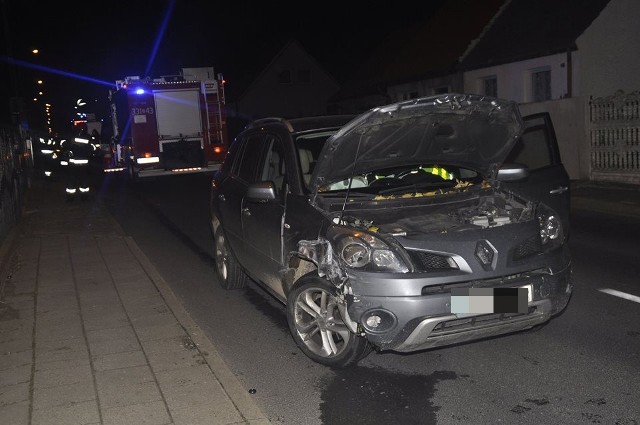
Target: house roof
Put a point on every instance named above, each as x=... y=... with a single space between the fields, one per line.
x=526 y=29
x=430 y=48
x=247 y=65
x=245 y=76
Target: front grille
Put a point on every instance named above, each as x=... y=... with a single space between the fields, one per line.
x=527 y=248
x=510 y=281
x=430 y=262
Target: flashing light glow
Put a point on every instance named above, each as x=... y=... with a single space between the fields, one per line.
x=26 y=64
x=139 y=90
x=217 y=149
x=160 y=36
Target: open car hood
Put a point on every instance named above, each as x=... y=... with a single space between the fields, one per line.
x=470 y=131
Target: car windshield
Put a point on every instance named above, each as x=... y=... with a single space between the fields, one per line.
x=421 y=179
x=389 y=182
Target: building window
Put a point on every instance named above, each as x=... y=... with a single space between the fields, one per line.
x=490 y=86
x=284 y=76
x=541 y=85
x=304 y=76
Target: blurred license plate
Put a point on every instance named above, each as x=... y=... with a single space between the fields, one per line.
x=468 y=301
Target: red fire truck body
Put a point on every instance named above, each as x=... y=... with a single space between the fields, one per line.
x=168 y=125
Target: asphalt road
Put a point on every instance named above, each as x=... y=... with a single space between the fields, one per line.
x=583 y=367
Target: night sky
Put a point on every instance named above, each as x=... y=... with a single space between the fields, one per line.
x=84 y=49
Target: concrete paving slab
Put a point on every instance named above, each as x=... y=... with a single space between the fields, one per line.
x=83 y=413
x=151 y=413
x=62 y=395
x=15 y=393
x=15 y=413
x=119 y=360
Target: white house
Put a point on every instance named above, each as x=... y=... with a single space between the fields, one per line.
x=540 y=50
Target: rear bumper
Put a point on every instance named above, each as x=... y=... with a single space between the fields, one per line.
x=154 y=172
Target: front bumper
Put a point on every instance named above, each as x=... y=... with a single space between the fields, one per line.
x=412 y=323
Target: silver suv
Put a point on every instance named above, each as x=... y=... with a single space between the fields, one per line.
x=414 y=225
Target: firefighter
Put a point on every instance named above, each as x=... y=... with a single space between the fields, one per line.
x=74 y=163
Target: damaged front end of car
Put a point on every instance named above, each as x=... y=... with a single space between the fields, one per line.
x=417 y=209
x=395 y=265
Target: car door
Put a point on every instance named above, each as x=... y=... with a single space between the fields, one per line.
x=262 y=221
x=233 y=189
x=548 y=179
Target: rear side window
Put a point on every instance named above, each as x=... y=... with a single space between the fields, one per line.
x=249 y=155
x=274 y=167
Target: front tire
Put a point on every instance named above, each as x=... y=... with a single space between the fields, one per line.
x=230 y=273
x=317 y=326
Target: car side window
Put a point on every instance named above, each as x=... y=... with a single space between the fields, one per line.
x=250 y=153
x=274 y=168
x=531 y=150
x=535 y=148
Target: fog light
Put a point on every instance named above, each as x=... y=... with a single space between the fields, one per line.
x=377 y=321
x=373 y=321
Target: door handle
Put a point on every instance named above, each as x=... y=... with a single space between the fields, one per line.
x=246 y=211
x=558 y=190
x=221 y=197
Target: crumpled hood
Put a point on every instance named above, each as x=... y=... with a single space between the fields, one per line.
x=471 y=131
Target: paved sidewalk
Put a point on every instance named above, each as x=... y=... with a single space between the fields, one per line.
x=91 y=334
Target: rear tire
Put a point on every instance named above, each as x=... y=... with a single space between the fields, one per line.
x=230 y=273
x=317 y=326
x=132 y=175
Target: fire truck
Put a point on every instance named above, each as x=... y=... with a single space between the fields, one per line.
x=169 y=125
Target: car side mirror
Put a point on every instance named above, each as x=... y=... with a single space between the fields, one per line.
x=512 y=172
x=261 y=192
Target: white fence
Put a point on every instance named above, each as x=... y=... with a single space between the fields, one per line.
x=615 y=138
x=599 y=139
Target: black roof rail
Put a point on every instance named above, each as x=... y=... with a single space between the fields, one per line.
x=269 y=120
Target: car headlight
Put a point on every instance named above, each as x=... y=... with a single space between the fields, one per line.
x=550 y=226
x=361 y=250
